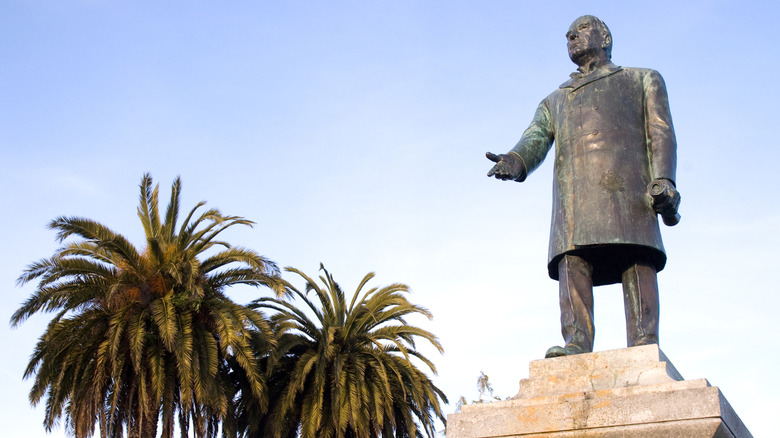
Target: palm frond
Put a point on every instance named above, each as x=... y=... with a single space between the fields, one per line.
x=172 y=212
x=149 y=211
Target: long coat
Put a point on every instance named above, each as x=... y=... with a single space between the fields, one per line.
x=613 y=134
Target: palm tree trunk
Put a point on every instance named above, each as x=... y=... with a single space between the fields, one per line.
x=149 y=420
x=102 y=421
x=149 y=426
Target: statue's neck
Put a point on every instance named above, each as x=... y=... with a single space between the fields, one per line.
x=592 y=65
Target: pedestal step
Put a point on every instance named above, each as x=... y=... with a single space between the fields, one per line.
x=645 y=365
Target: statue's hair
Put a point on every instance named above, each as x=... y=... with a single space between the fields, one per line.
x=604 y=30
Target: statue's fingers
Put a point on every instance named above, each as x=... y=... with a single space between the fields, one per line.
x=496 y=170
x=493 y=157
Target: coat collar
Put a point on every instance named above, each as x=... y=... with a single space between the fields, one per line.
x=579 y=80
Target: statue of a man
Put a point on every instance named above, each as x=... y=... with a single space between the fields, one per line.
x=614 y=148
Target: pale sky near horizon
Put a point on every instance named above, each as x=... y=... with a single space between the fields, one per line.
x=354 y=133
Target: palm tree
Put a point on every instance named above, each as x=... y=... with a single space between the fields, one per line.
x=349 y=369
x=143 y=336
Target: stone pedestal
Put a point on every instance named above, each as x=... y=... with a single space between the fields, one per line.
x=633 y=392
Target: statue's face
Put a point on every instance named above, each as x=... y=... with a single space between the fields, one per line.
x=584 y=41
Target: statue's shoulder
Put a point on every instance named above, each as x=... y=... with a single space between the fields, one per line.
x=641 y=72
x=552 y=96
x=558 y=93
x=648 y=77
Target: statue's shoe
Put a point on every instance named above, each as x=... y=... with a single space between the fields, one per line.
x=568 y=350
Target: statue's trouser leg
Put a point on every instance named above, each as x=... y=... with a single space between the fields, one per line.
x=640 y=298
x=576 y=300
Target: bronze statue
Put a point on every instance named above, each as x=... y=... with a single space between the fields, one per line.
x=615 y=161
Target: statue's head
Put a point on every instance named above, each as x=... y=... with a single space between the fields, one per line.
x=588 y=37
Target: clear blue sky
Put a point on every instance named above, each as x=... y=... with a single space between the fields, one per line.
x=354 y=133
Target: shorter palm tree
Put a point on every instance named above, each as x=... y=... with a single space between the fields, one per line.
x=348 y=369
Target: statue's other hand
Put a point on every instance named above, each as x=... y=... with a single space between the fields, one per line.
x=508 y=166
x=666 y=200
x=666 y=197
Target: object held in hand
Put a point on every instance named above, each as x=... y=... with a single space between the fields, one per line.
x=666 y=200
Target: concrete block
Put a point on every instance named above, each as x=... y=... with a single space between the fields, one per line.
x=633 y=392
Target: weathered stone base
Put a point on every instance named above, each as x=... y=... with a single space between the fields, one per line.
x=633 y=392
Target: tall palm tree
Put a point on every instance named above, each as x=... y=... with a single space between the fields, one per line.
x=143 y=336
x=349 y=368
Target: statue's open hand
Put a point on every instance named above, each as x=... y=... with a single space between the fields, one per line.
x=508 y=166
